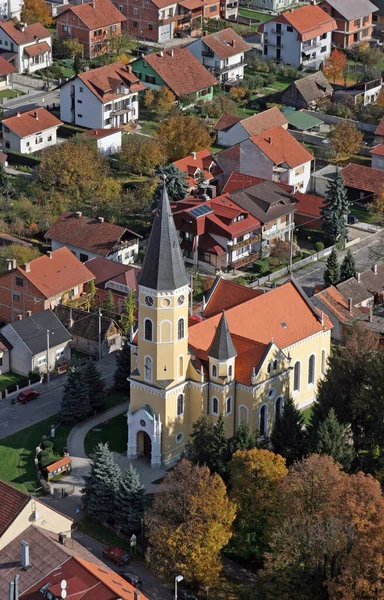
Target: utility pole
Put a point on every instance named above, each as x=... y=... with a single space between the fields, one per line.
x=48 y=373
x=99 y=333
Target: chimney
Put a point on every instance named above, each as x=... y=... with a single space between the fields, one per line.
x=161 y=53
x=136 y=595
x=19 y=317
x=17 y=114
x=29 y=313
x=79 y=214
x=370 y=318
x=129 y=68
x=358 y=276
x=27 y=267
x=36 y=115
x=100 y=219
x=25 y=555
x=16 y=581
x=49 y=254
x=205 y=33
x=322 y=319
x=9 y=262
x=350 y=305
x=375 y=269
x=233 y=43
x=86 y=69
x=194 y=154
x=172 y=52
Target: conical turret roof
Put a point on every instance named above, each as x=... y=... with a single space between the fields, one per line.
x=222 y=347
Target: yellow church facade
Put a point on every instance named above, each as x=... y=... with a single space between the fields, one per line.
x=242 y=361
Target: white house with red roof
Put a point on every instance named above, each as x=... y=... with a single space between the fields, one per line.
x=30 y=131
x=6 y=72
x=108 y=141
x=299 y=37
x=377 y=161
x=103 y=98
x=201 y=169
x=232 y=129
x=32 y=45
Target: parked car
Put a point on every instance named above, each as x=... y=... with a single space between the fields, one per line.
x=184 y=594
x=352 y=219
x=117 y=555
x=133 y=579
x=27 y=396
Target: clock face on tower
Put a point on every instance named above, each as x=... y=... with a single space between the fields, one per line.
x=148 y=300
x=180 y=300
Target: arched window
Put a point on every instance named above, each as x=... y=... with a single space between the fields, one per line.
x=263 y=426
x=323 y=361
x=229 y=405
x=214 y=371
x=165 y=332
x=148 y=330
x=311 y=370
x=181 y=366
x=243 y=413
x=297 y=376
x=269 y=367
x=180 y=405
x=230 y=371
x=215 y=406
x=148 y=368
x=278 y=408
x=275 y=364
x=180 y=329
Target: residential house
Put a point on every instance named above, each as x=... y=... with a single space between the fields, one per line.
x=321 y=179
x=353 y=19
x=340 y=311
x=30 y=131
x=308 y=210
x=118 y=278
x=108 y=141
x=177 y=69
x=202 y=171
x=94 y=24
x=91 y=333
x=373 y=281
x=232 y=130
x=217 y=232
x=274 y=155
x=39 y=343
x=41 y=284
x=5 y=355
x=19 y=512
x=6 y=72
x=241 y=364
x=30 y=44
x=311 y=92
x=88 y=237
x=379 y=132
x=359 y=93
x=362 y=182
x=301 y=37
x=103 y=98
x=377 y=161
x=222 y=53
x=238 y=181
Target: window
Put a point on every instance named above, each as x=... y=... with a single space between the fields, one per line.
x=121 y=8
x=214 y=371
x=299 y=171
x=263 y=420
x=271 y=393
x=180 y=329
x=275 y=364
x=81 y=89
x=83 y=257
x=228 y=406
x=19 y=281
x=49 y=138
x=59 y=353
x=323 y=361
x=80 y=102
x=311 y=370
x=289 y=28
x=150 y=79
x=41 y=361
x=180 y=405
x=212 y=9
x=181 y=366
x=150 y=27
x=278 y=27
x=356 y=22
x=97 y=32
x=269 y=367
x=39 y=140
x=6 y=43
x=265 y=49
x=7 y=144
x=323 y=49
x=323 y=37
x=215 y=406
x=148 y=330
x=16 y=296
x=148 y=368
x=113 y=27
x=134 y=24
x=179 y=438
x=230 y=371
x=296 y=376
x=278 y=408
x=80 y=116
x=135 y=11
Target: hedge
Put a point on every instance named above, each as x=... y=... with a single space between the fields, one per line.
x=67 y=131
x=17 y=158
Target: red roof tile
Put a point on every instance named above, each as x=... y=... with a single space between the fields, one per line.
x=209 y=244
x=378 y=150
x=363 y=178
x=98 y=134
x=38 y=49
x=32 y=121
x=201 y=161
x=226 y=43
x=281 y=147
x=226 y=121
x=180 y=70
x=12 y=502
x=225 y=295
x=31 y=33
x=308 y=204
x=380 y=128
x=96 y=14
x=238 y=181
x=309 y=21
x=6 y=68
x=106 y=270
x=105 y=82
x=58 y=464
x=335 y=302
x=263 y=121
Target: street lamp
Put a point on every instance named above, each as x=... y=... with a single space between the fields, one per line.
x=178 y=578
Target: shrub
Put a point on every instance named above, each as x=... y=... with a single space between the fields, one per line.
x=261 y=266
x=319 y=246
x=17 y=158
x=46 y=445
x=46 y=458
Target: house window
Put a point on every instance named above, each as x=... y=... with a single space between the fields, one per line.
x=150 y=79
x=121 y=8
x=180 y=405
x=299 y=171
x=148 y=330
x=215 y=406
x=59 y=353
x=113 y=27
x=180 y=329
x=19 y=281
x=81 y=89
x=278 y=408
x=230 y=371
x=212 y=9
x=323 y=49
x=97 y=32
x=269 y=367
x=41 y=361
x=296 y=376
x=49 y=138
x=7 y=144
x=80 y=116
x=323 y=361
x=16 y=297
x=134 y=24
x=214 y=371
x=135 y=11
x=83 y=257
x=263 y=426
x=148 y=368
x=228 y=406
x=275 y=364
x=150 y=27
x=39 y=140
x=80 y=102
x=289 y=28
x=356 y=22
x=311 y=370
x=181 y=366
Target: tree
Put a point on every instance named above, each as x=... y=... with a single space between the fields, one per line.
x=189 y=524
x=335 y=210
x=95 y=387
x=108 y=305
x=243 y=439
x=22 y=254
x=164 y=99
x=334 y=65
x=288 y=436
x=237 y=93
x=123 y=368
x=332 y=438
x=254 y=482
x=280 y=250
x=77 y=64
x=181 y=135
x=128 y=314
x=332 y=270
x=141 y=155
x=215 y=108
x=198 y=448
x=7 y=189
x=148 y=98
x=129 y=507
x=376 y=207
x=348 y=267
x=346 y=139
x=101 y=485
x=176 y=183
x=219 y=450
x=75 y=405
x=36 y=11
x=74 y=48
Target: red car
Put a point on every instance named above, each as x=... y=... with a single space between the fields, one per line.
x=27 y=396
x=117 y=555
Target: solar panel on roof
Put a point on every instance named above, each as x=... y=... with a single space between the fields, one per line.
x=199 y=211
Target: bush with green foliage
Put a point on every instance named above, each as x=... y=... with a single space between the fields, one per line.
x=319 y=246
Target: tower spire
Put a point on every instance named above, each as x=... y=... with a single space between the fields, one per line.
x=222 y=347
x=163 y=267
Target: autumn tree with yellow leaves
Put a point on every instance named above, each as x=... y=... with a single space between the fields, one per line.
x=36 y=11
x=181 y=135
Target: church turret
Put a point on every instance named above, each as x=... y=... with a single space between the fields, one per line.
x=222 y=352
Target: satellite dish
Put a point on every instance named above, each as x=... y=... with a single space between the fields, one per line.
x=63 y=584
x=63 y=593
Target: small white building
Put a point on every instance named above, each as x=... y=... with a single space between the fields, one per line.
x=232 y=130
x=300 y=37
x=30 y=131
x=103 y=98
x=32 y=45
x=222 y=53
x=108 y=141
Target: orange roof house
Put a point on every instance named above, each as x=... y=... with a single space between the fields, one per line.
x=30 y=45
x=106 y=82
x=30 y=131
x=199 y=167
x=232 y=130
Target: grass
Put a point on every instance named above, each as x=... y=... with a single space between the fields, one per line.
x=215 y=149
x=362 y=213
x=148 y=127
x=9 y=379
x=307 y=413
x=281 y=83
x=114 y=431
x=61 y=436
x=254 y=14
x=10 y=94
x=241 y=111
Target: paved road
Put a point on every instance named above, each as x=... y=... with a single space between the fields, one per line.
x=17 y=417
x=27 y=102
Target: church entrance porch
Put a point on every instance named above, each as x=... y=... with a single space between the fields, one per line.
x=144 y=435
x=144 y=445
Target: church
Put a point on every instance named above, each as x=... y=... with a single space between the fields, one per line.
x=248 y=353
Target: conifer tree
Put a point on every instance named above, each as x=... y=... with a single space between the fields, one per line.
x=244 y=439
x=127 y=317
x=219 y=450
x=335 y=210
x=75 y=405
x=198 y=448
x=123 y=368
x=95 y=386
x=331 y=438
x=108 y=305
x=101 y=486
x=332 y=270
x=348 y=267
x=176 y=183
x=129 y=509
x=288 y=436
x=77 y=64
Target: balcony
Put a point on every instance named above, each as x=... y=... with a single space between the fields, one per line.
x=275 y=230
x=241 y=262
x=309 y=47
x=248 y=242
x=226 y=68
x=117 y=111
x=273 y=43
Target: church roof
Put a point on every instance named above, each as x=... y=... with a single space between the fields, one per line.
x=163 y=267
x=222 y=347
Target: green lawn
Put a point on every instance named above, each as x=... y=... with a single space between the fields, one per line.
x=9 y=379
x=362 y=213
x=10 y=94
x=281 y=83
x=114 y=431
x=148 y=127
x=254 y=14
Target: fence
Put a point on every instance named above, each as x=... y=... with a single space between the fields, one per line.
x=310 y=138
x=332 y=120
x=16 y=388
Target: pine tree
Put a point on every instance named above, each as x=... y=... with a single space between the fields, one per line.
x=95 y=387
x=123 y=368
x=127 y=317
x=331 y=437
x=335 y=210
x=129 y=509
x=75 y=405
x=198 y=448
x=244 y=439
x=219 y=451
x=108 y=305
x=348 y=267
x=101 y=486
x=332 y=270
x=176 y=183
x=288 y=436
x=77 y=64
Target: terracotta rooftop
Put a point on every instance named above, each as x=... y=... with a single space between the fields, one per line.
x=89 y=234
x=180 y=70
x=98 y=134
x=59 y=463
x=37 y=49
x=263 y=121
x=363 y=178
x=31 y=34
x=308 y=204
x=201 y=163
x=6 y=68
x=105 y=270
x=380 y=128
x=373 y=279
x=226 y=121
x=238 y=181
x=309 y=21
x=11 y=504
x=32 y=121
x=226 y=43
x=96 y=14
x=378 y=150
x=281 y=147
x=225 y=294
x=109 y=82
x=335 y=302
x=351 y=288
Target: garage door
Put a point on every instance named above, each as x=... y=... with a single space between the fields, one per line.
x=165 y=33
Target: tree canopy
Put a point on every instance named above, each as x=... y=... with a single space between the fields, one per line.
x=36 y=11
x=335 y=210
x=181 y=135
